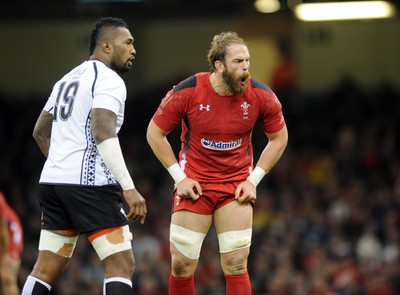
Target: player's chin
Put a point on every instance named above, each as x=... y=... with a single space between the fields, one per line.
x=241 y=88
x=128 y=66
x=123 y=69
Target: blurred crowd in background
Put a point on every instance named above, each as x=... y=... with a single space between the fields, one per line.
x=326 y=220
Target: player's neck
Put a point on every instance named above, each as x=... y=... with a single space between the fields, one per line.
x=218 y=84
x=104 y=61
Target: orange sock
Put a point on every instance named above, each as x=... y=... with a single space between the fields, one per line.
x=238 y=284
x=181 y=286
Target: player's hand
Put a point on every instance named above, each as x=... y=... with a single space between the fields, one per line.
x=245 y=192
x=189 y=188
x=137 y=205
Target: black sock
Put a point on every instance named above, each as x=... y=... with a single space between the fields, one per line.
x=39 y=289
x=34 y=286
x=116 y=287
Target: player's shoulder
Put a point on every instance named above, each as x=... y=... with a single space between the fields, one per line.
x=105 y=76
x=261 y=91
x=101 y=69
x=191 y=82
x=256 y=84
x=188 y=83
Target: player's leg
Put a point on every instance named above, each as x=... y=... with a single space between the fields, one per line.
x=55 y=251
x=114 y=248
x=9 y=268
x=233 y=224
x=187 y=232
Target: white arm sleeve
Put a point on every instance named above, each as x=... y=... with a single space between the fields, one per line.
x=111 y=153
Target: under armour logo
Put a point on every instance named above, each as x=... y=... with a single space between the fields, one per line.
x=207 y=107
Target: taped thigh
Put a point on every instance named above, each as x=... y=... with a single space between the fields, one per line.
x=107 y=242
x=187 y=242
x=58 y=244
x=234 y=240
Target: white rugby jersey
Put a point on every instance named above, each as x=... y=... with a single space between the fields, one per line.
x=73 y=156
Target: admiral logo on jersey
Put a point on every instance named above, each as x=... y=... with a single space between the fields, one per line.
x=220 y=145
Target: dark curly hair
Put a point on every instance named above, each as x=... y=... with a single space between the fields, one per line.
x=104 y=22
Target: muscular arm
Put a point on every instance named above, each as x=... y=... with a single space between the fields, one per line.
x=105 y=135
x=273 y=151
x=103 y=124
x=4 y=234
x=157 y=139
x=42 y=131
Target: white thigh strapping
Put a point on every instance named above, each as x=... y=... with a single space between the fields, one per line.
x=234 y=240
x=58 y=244
x=110 y=243
x=187 y=242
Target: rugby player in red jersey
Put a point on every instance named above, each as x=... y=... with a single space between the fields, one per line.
x=215 y=176
x=11 y=246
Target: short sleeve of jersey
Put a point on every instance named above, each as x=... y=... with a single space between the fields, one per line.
x=271 y=115
x=109 y=93
x=173 y=107
x=49 y=106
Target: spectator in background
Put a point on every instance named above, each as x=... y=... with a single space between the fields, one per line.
x=11 y=246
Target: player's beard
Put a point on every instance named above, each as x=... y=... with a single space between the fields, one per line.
x=234 y=83
x=119 y=66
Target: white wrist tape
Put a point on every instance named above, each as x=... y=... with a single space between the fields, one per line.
x=176 y=172
x=111 y=153
x=256 y=176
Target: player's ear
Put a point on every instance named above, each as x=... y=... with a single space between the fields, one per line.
x=106 y=46
x=219 y=66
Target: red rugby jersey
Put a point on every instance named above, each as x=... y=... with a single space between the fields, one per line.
x=216 y=130
x=15 y=246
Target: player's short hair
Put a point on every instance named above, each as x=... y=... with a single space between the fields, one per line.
x=100 y=25
x=219 y=45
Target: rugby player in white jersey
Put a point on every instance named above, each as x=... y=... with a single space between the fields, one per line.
x=85 y=178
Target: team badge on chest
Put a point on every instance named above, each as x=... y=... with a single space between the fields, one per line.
x=245 y=108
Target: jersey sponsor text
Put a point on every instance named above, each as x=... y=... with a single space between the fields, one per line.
x=220 y=145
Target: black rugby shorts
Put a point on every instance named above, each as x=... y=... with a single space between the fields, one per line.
x=84 y=209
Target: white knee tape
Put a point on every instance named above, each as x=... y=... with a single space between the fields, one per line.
x=113 y=242
x=234 y=240
x=186 y=241
x=58 y=244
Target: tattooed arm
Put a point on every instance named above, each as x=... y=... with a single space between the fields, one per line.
x=42 y=132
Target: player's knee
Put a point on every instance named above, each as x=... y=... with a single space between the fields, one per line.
x=235 y=262
x=61 y=245
x=182 y=266
x=107 y=243
x=8 y=280
x=121 y=264
x=186 y=242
